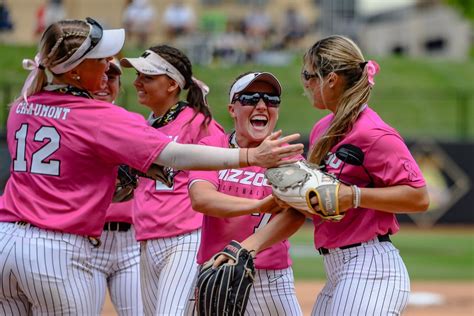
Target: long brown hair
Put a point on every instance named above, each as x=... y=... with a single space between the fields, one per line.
x=342 y=56
x=181 y=62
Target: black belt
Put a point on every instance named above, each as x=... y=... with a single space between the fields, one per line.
x=381 y=238
x=24 y=224
x=117 y=226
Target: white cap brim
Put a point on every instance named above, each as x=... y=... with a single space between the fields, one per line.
x=142 y=66
x=241 y=84
x=110 y=44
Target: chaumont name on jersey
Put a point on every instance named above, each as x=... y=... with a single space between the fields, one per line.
x=55 y=112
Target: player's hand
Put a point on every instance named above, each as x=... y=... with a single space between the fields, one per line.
x=280 y=203
x=221 y=260
x=268 y=205
x=273 y=149
x=345 y=198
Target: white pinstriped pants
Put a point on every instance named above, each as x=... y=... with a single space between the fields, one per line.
x=116 y=266
x=44 y=272
x=168 y=267
x=272 y=293
x=370 y=279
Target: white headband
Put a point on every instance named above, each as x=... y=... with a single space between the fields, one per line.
x=75 y=59
x=150 y=63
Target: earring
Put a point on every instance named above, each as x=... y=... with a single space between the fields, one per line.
x=77 y=78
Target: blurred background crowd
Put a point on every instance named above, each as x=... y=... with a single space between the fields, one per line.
x=425 y=47
x=261 y=31
x=425 y=90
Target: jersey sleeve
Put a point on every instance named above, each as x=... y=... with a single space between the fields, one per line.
x=126 y=138
x=391 y=163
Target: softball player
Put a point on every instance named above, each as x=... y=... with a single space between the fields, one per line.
x=116 y=262
x=65 y=148
x=166 y=225
x=235 y=201
x=365 y=273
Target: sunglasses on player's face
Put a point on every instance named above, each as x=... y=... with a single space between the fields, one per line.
x=252 y=99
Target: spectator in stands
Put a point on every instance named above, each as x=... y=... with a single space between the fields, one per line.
x=230 y=47
x=48 y=13
x=138 y=21
x=5 y=21
x=258 y=23
x=295 y=27
x=258 y=28
x=179 y=19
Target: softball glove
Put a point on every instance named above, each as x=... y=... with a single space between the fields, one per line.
x=295 y=184
x=225 y=290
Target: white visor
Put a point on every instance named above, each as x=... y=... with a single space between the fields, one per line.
x=241 y=84
x=150 y=63
x=109 y=45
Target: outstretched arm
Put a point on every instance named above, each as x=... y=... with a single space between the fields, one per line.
x=398 y=199
x=269 y=153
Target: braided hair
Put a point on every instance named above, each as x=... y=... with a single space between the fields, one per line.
x=58 y=42
x=181 y=62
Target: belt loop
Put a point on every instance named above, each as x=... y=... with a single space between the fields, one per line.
x=95 y=242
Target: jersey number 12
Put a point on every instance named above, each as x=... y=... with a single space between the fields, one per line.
x=40 y=164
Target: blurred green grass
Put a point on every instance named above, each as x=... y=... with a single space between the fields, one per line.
x=436 y=254
x=419 y=97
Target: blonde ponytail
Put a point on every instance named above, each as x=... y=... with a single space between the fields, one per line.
x=340 y=55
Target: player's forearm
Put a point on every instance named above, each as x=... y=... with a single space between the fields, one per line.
x=281 y=227
x=207 y=200
x=396 y=199
x=198 y=157
x=269 y=153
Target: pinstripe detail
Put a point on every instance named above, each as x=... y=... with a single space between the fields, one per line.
x=116 y=265
x=273 y=293
x=44 y=272
x=168 y=268
x=367 y=280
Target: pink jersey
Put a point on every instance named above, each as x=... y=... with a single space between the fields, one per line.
x=249 y=182
x=387 y=160
x=160 y=211
x=65 y=151
x=120 y=212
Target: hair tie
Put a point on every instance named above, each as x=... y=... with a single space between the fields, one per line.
x=33 y=65
x=204 y=88
x=372 y=69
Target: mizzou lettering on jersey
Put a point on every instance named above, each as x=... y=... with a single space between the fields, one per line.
x=243 y=177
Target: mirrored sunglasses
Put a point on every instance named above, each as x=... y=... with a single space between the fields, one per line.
x=252 y=99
